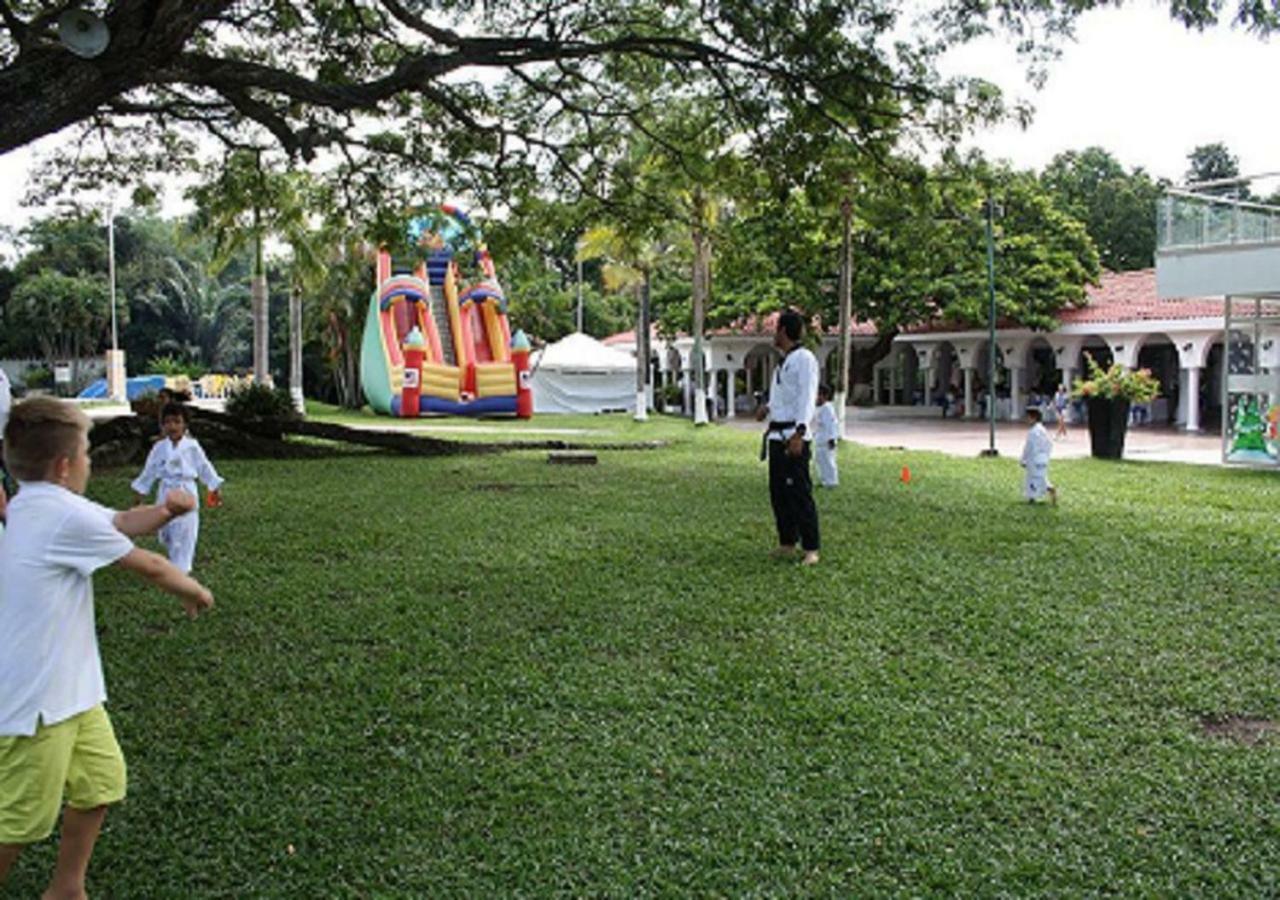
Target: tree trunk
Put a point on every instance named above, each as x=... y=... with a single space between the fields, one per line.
x=258 y=298
x=47 y=88
x=295 y=349
x=642 y=353
x=701 y=273
x=351 y=359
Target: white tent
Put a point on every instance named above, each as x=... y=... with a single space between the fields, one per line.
x=581 y=375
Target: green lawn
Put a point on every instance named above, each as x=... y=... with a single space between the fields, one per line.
x=574 y=429
x=490 y=676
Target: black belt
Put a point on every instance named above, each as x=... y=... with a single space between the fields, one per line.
x=773 y=426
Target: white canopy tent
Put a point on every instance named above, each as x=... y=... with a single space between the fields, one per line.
x=581 y=375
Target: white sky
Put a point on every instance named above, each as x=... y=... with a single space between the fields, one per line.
x=1135 y=83
x=1144 y=88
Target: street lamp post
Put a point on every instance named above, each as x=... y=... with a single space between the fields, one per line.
x=990 y=212
x=846 y=302
x=579 y=317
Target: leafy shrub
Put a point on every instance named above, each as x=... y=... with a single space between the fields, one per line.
x=258 y=401
x=38 y=377
x=170 y=365
x=1116 y=383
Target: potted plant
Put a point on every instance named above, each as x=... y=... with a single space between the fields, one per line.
x=1107 y=394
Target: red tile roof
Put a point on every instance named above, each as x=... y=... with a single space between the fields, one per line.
x=750 y=326
x=629 y=337
x=765 y=326
x=1118 y=297
x=1131 y=297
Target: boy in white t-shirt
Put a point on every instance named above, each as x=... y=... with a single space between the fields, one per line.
x=826 y=435
x=6 y=402
x=55 y=738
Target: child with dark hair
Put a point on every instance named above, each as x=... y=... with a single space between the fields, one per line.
x=1035 y=459
x=826 y=435
x=176 y=461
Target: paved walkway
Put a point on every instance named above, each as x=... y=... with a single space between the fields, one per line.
x=960 y=437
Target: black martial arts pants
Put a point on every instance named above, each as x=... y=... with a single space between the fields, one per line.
x=791 y=492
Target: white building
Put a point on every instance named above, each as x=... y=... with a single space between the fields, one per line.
x=1180 y=341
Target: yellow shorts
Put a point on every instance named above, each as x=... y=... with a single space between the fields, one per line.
x=77 y=758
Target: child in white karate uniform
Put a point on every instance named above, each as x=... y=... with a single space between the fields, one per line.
x=1035 y=459
x=176 y=461
x=826 y=434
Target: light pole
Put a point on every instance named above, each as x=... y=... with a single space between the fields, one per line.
x=990 y=212
x=846 y=301
x=579 y=255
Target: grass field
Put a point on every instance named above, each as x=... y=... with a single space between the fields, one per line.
x=490 y=676
x=575 y=429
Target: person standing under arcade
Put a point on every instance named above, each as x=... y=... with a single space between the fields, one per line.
x=792 y=396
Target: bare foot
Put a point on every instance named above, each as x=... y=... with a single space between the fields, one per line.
x=52 y=893
x=786 y=551
x=810 y=558
x=1053 y=496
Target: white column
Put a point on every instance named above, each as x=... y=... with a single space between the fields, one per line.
x=687 y=403
x=1016 y=410
x=1180 y=415
x=970 y=407
x=923 y=379
x=116 y=380
x=730 y=395
x=1193 y=398
x=713 y=391
x=751 y=380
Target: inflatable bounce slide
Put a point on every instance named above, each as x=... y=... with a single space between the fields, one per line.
x=436 y=344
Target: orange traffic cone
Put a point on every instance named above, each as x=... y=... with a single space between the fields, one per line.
x=906 y=475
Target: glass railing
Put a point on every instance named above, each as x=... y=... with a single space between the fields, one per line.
x=1185 y=220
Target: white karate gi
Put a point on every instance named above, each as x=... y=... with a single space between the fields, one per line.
x=6 y=401
x=825 y=430
x=1035 y=459
x=177 y=466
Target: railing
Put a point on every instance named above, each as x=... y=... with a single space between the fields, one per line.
x=1187 y=221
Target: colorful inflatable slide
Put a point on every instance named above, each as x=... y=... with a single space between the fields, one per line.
x=435 y=345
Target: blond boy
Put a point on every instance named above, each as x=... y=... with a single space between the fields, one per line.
x=56 y=741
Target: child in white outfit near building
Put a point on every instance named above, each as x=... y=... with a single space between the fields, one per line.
x=826 y=434
x=176 y=461
x=1035 y=460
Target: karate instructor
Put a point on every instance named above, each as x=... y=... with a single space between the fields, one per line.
x=792 y=396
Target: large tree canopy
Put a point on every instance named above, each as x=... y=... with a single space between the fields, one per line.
x=449 y=84
x=1116 y=206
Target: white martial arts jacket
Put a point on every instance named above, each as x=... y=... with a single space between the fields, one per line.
x=794 y=392
x=176 y=466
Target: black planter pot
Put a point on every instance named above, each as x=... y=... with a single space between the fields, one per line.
x=1108 y=421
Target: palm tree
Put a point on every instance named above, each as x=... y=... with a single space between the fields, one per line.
x=704 y=211
x=335 y=315
x=630 y=259
x=246 y=204
x=207 y=318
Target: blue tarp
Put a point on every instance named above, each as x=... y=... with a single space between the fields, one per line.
x=133 y=387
